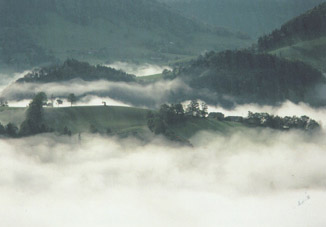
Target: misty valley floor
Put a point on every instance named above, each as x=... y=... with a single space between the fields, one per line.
x=250 y=178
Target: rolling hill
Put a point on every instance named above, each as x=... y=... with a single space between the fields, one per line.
x=73 y=69
x=242 y=77
x=121 y=121
x=218 y=78
x=311 y=52
x=34 y=32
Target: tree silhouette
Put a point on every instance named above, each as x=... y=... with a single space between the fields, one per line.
x=11 y=130
x=33 y=123
x=72 y=98
x=193 y=108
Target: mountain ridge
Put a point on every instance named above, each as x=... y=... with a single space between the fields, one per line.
x=253 y=17
x=35 y=32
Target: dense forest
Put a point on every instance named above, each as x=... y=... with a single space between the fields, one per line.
x=310 y=25
x=72 y=69
x=243 y=77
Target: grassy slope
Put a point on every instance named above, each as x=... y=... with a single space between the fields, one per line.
x=121 y=120
x=80 y=119
x=156 y=77
x=150 y=78
x=192 y=126
x=12 y=114
x=312 y=52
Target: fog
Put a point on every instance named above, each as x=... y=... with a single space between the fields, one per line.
x=88 y=100
x=252 y=178
x=8 y=78
x=150 y=95
x=137 y=69
x=249 y=178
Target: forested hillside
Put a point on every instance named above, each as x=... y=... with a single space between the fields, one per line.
x=224 y=78
x=310 y=25
x=245 y=77
x=301 y=39
x=73 y=69
x=33 y=32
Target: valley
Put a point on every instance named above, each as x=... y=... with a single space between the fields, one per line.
x=164 y=113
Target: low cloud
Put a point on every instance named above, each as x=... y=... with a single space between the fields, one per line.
x=88 y=100
x=150 y=95
x=9 y=78
x=249 y=178
x=138 y=70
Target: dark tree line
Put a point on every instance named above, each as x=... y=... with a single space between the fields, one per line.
x=159 y=122
x=271 y=121
x=194 y=109
x=307 y=26
x=73 y=69
x=285 y=123
x=169 y=115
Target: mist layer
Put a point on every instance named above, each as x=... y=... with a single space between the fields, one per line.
x=252 y=178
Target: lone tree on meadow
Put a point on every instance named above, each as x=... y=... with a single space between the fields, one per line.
x=72 y=98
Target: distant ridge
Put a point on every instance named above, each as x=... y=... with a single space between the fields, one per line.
x=34 y=32
x=252 y=17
